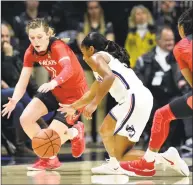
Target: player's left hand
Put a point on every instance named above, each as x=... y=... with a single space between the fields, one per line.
x=68 y=109
x=44 y=88
x=88 y=110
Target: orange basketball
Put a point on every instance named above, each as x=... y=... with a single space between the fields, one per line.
x=46 y=143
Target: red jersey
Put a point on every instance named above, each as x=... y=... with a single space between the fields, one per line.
x=183 y=53
x=63 y=66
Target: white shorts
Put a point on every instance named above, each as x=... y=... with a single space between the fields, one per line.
x=133 y=115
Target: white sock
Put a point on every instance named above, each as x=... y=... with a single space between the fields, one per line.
x=72 y=132
x=149 y=155
x=52 y=157
x=114 y=161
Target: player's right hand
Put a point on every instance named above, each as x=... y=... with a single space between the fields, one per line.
x=9 y=107
x=67 y=109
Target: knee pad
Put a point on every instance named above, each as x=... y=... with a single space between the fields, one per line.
x=162 y=116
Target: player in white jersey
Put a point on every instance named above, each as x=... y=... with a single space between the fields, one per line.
x=124 y=124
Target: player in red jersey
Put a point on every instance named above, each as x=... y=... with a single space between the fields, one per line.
x=177 y=109
x=67 y=85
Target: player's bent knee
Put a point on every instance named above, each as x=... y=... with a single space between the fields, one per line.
x=25 y=119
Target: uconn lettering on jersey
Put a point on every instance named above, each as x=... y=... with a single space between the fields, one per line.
x=47 y=62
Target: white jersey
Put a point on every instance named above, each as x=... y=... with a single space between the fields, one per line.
x=134 y=100
x=125 y=81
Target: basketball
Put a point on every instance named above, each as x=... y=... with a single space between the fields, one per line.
x=46 y=143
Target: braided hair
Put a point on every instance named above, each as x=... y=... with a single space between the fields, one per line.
x=100 y=43
x=185 y=20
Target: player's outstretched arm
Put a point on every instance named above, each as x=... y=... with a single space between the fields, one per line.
x=87 y=97
x=21 y=85
x=101 y=67
x=103 y=70
x=82 y=102
x=19 y=91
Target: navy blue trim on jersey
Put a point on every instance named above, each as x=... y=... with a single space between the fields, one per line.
x=111 y=114
x=129 y=115
x=122 y=79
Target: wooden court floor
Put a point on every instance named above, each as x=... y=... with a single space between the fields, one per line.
x=77 y=171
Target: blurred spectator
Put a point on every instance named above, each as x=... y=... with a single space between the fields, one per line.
x=168 y=16
x=19 y=25
x=66 y=15
x=141 y=35
x=11 y=65
x=159 y=71
x=14 y=122
x=94 y=20
x=11 y=61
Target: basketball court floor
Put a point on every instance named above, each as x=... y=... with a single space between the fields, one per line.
x=77 y=171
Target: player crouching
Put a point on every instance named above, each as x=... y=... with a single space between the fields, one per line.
x=67 y=85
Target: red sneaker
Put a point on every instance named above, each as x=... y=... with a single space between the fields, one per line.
x=78 y=143
x=45 y=164
x=139 y=167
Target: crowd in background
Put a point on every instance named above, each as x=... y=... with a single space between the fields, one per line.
x=148 y=34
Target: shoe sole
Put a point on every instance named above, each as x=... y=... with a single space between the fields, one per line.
x=139 y=173
x=54 y=169
x=128 y=173
x=182 y=167
x=34 y=169
x=48 y=169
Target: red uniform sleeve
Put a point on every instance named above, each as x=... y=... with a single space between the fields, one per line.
x=62 y=56
x=28 y=61
x=180 y=56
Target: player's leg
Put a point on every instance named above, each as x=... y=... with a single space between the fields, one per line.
x=124 y=149
x=114 y=122
x=70 y=130
x=34 y=110
x=177 y=109
x=67 y=130
x=43 y=102
x=106 y=132
x=118 y=148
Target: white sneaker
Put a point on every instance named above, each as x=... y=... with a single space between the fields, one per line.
x=172 y=159
x=109 y=179
x=184 y=180
x=110 y=169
